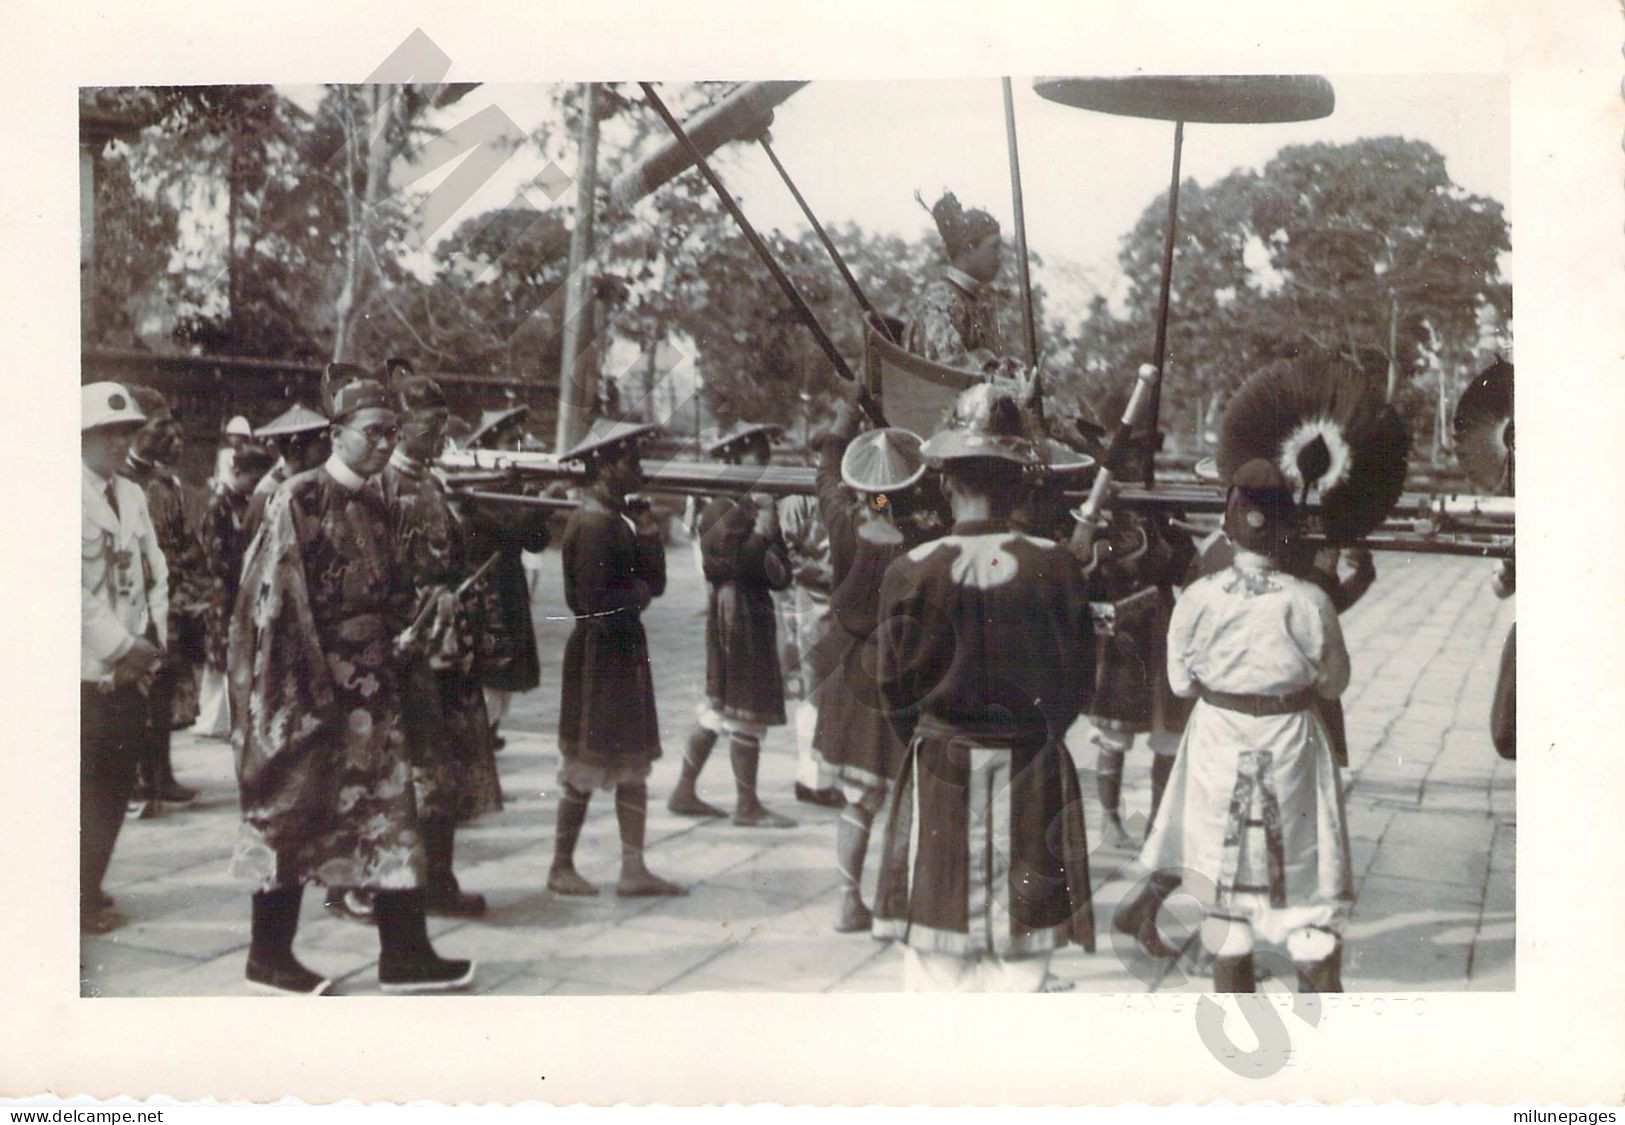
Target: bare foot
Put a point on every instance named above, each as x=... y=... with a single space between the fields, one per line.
x=761 y=817
x=1116 y=837
x=687 y=804
x=569 y=882
x=644 y=884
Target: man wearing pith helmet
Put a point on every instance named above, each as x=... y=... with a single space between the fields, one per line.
x=123 y=616
x=985 y=659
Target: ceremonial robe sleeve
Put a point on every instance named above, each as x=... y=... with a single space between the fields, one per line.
x=651 y=564
x=281 y=687
x=1181 y=625
x=1333 y=653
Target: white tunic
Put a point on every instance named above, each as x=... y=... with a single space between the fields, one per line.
x=1253 y=817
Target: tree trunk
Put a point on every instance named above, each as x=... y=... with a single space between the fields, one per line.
x=1393 y=344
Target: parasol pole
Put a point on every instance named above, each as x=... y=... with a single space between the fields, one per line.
x=1021 y=230
x=818 y=229
x=791 y=293
x=1160 y=352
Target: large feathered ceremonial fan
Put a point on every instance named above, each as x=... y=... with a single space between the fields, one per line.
x=1484 y=429
x=1327 y=428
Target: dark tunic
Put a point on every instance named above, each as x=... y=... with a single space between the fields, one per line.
x=742 y=677
x=1132 y=588
x=608 y=730
x=985 y=660
x=224 y=545
x=447 y=733
x=322 y=767
x=191 y=589
x=508 y=659
x=853 y=732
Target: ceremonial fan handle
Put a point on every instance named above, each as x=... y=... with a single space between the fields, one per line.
x=1088 y=515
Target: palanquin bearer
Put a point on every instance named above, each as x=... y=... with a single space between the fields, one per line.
x=871 y=497
x=173 y=693
x=985 y=662
x=123 y=626
x=744 y=557
x=322 y=763
x=953 y=321
x=448 y=734
x=299 y=436
x=609 y=734
x=1253 y=815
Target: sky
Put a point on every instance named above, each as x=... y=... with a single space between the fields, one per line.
x=859 y=150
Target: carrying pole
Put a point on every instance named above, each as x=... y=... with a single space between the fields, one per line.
x=829 y=244
x=791 y=293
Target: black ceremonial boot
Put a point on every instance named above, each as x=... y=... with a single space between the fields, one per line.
x=443 y=895
x=407 y=963
x=1137 y=916
x=272 y=967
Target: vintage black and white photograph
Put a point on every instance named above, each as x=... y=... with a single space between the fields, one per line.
x=838 y=555
x=1036 y=535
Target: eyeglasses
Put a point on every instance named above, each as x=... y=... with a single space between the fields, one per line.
x=377 y=435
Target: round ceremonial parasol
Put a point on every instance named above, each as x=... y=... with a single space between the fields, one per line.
x=1215 y=98
x=1483 y=429
x=1328 y=429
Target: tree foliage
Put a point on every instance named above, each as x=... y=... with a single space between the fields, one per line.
x=1365 y=249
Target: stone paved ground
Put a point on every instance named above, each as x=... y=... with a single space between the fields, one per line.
x=1431 y=810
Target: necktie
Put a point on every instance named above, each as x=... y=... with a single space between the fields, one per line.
x=112 y=496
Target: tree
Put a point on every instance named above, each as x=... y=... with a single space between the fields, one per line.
x=1366 y=250
x=1379 y=250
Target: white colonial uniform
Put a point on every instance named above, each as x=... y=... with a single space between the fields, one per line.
x=124 y=581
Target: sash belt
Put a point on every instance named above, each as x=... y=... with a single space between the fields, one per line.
x=1259 y=705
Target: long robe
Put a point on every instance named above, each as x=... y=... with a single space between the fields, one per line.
x=853 y=732
x=1253 y=814
x=454 y=768
x=608 y=730
x=743 y=682
x=985 y=662
x=325 y=784
x=191 y=590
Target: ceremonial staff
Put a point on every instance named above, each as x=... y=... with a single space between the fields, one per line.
x=1021 y=230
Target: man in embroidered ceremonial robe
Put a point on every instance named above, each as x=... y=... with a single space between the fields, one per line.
x=322 y=766
x=985 y=661
x=123 y=604
x=952 y=321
